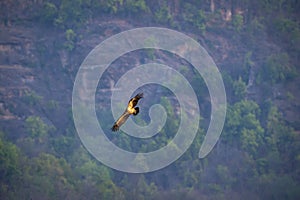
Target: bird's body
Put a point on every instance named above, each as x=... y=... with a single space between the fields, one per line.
x=130 y=110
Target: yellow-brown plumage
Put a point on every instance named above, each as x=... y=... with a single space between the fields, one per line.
x=130 y=110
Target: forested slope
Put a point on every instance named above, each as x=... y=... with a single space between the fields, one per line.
x=255 y=44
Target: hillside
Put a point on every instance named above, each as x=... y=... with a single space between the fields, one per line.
x=255 y=45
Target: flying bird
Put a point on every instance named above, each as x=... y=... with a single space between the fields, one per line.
x=130 y=110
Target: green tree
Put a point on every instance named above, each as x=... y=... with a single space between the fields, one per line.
x=224 y=178
x=277 y=68
x=243 y=128
x=9 y=168
x=97 y=177
x=195 y=16
x=283 y=140
x=288 y=31
x=110 y=6
x=274 y=186
x=135 y=6
x=108 y=190
x=163 y=15
x=72 y=13
x=36 y=127
x=93 y=172
x=49 y=177
x=48 y=13
x=32 y=98
x=239 y=88
x=172 y=122
x=238 y=22
x=140 y=188
x=71 y=39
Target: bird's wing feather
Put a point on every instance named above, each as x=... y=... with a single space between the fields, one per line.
x=122 y=119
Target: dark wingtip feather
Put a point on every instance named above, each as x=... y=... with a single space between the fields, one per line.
x=115 y=127
x=140 y=95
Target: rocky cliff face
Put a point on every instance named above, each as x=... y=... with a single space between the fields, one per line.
x=37 y=71
x=38 y=63
x=38 y=68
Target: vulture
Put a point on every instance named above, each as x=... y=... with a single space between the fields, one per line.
x=130 y=110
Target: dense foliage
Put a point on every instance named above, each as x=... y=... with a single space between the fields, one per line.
x=258 y=154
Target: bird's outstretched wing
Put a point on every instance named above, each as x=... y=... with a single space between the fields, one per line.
x=122 y=119
x=130 y=110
